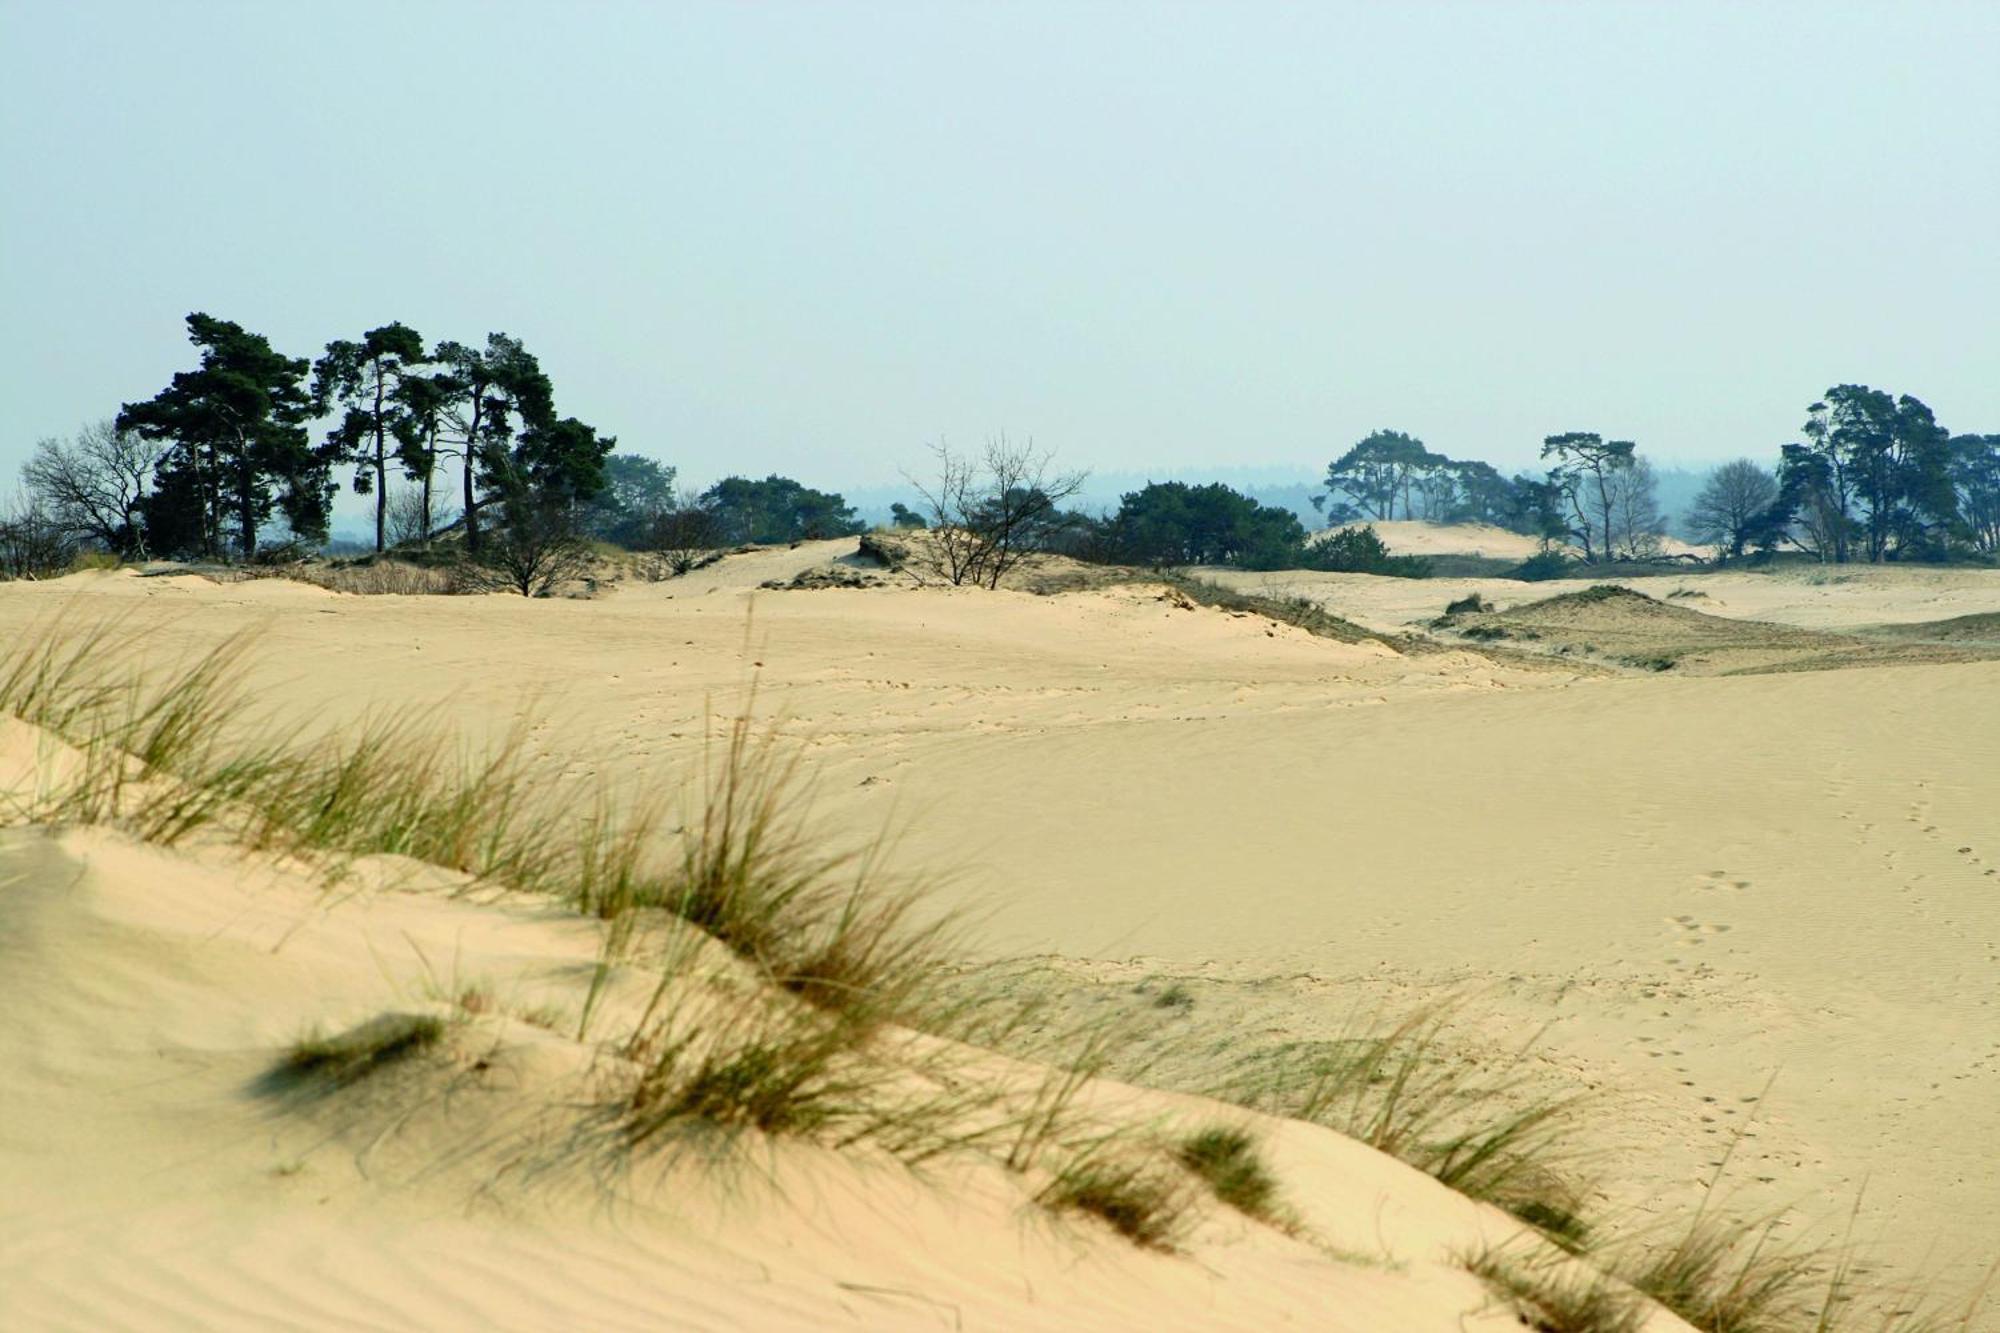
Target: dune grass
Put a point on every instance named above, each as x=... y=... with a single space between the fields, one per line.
x=843 y=968
x=1226 y=1159
x=1135 y=1196
x=1485 y=1129
x=1554 y=1298
x=350 y=1056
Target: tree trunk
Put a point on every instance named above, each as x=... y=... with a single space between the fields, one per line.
x=246 y=502
x=471 y=446
x=381 y=469
x=430 y=471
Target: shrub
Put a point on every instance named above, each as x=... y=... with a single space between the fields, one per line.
x=1543 y=566
x=1361 y=551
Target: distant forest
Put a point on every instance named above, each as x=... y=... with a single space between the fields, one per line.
x=459 y=449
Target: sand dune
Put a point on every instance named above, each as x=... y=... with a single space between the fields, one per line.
x=1699 y=886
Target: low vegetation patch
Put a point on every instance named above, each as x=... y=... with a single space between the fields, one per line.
x=1137 y=1198
x=1300 y=612
x=1554 y=1298
x=358 y=1052
x=1482 y=1128
x=1227 y=1160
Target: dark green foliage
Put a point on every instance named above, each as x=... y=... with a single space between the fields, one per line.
x=1391 y=473
x=1381 y=471
x=902 y=516
x=1470 y=602
x=1361 y=551
x=237 y=451
x=1874 y=479
x=1544 y=566
x=424 y=405
x=1226 y=1158
x=1173 y=523
x=637 y=491
x=363 y=379
x=1536 y=508
x=1975 y=477
x=1585 y=474
x=775 y=510
x=490 y=395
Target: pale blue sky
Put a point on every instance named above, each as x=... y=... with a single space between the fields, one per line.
x=810 y=238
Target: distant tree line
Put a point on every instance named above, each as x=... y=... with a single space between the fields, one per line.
x=466 y=438
x=1873 y=478
x=204 y=468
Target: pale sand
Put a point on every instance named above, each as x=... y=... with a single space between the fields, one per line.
x=1697 y=883
x=1405 y=536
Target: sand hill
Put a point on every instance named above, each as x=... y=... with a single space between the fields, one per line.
x=1763 y=902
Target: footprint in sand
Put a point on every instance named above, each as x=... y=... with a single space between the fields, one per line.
x=1692 y=931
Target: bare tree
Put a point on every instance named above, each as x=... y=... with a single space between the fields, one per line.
x=536 y=548
x=94 y=487
x=415 y=512
x=1636 y=523
x=683 y=534
x=33 y=542
x=1732 y=501
x=987 y=514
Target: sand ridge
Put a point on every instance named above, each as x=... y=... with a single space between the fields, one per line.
x=1693 y=883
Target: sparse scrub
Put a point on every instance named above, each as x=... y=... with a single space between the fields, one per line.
x=1226 y=1158
x=1300 y=612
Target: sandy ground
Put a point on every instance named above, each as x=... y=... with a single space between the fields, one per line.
x=1417 y=537
x=1699 y=887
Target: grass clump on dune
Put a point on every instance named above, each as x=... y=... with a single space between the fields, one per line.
x=1560 y=1299
x=1227 y=1160
x=1486 y=1132
x=1137 y=1198
x=821 y=923
x=358 y=1052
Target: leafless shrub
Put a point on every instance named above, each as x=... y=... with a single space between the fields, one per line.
x=988 y=513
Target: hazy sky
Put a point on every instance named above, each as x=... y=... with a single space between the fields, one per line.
x=810 y=238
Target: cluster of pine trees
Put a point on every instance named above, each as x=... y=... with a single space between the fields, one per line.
x=471 y=438
x=205 y=466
